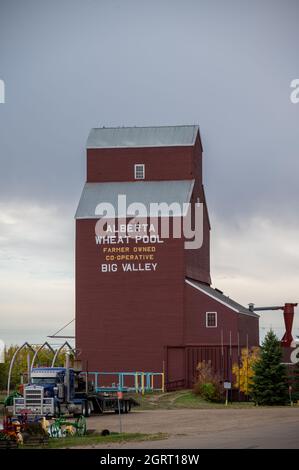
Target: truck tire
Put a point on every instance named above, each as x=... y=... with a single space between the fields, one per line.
x=87 y=409
x=128 y=406
x=81 y=412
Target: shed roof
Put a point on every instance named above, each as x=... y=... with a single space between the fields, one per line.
x=160 y=136
x=218 y=296
x=145 y=192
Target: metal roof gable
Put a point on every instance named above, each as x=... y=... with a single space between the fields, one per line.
x=159 y=136
x=145 y=192
x=223 y=299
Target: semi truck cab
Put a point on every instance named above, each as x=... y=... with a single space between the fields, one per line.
x=51 y=392
x=54 y=380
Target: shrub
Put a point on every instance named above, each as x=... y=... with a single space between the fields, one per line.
x=208 y=383
x=208 y=391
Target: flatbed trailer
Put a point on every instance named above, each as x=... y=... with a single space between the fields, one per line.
x=99 y=403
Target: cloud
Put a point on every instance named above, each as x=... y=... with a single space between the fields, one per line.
x=36 y=268
x=256 y=259
x=147 y=63
x=253 y=259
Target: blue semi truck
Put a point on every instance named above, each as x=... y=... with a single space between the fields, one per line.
x=55 y=391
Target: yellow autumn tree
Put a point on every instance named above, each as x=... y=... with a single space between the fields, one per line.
x=244 y=372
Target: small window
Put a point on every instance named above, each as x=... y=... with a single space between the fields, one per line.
x=211 y=319
x=139 y=171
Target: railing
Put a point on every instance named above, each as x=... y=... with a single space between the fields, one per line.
x=175 y=385
x=140 y=382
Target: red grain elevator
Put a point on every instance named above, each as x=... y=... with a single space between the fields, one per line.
x=145 y=302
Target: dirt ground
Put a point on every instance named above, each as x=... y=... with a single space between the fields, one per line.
x=219 y=428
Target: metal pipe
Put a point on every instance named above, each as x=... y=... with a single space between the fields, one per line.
x=59 y=349
x=136 y=382
x=142 y=383
x=288 y=314
x=86 y=383
x=260 y=309
x=12 y=363
x=28 y=369
x=61 y=337
x=55 y=335
x=67 y=376
x=38 y=350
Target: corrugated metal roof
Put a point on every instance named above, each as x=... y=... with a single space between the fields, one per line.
x=164 y=136
x=146 y=192
x=221 y=298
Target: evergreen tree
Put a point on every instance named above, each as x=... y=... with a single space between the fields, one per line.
x=295 y=380
x=270 y=385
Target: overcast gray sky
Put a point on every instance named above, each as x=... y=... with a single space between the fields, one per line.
x=69 y=65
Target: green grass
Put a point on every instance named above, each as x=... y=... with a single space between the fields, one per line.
x=92 y=440
x=189 y=400
x=181 y=400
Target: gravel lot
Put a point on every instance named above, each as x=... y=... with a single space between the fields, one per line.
x=219 y=428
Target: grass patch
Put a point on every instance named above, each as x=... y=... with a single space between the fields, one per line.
x=94 y=439
x=183 y=399
x=188 y=399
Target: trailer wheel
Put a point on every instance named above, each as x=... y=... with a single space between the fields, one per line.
x=81 y=412
x=87 y=409
x=129 y=406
